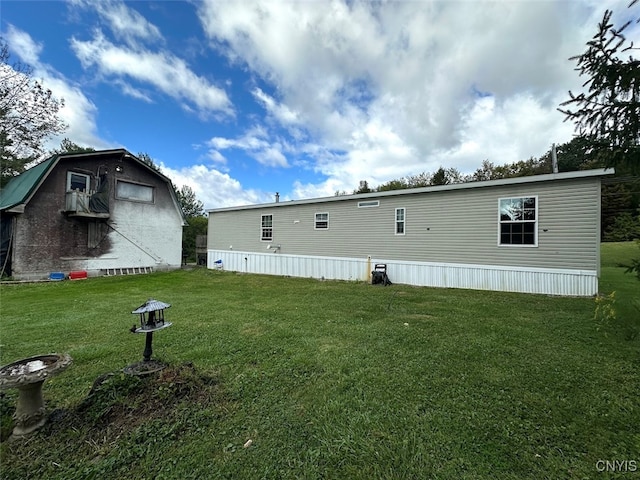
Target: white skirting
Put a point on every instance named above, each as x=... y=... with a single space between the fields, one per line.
x=548 y=281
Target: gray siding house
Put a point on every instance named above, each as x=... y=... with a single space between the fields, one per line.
x=538 y=234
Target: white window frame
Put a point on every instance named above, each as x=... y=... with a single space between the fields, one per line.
x=317 y=224
x=402 y=222
x=121 y=196
x=264 y=227
x=523 y=221
x=87 y=182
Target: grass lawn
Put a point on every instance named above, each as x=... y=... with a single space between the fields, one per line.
x=327 y=380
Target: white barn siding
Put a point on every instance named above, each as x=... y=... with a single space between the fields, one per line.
x=142 y=235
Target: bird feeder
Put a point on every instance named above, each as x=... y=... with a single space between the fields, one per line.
x=151 y=315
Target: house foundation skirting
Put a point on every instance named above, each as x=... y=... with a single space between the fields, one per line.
x=547 y=281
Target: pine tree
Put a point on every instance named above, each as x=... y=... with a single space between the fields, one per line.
x=607 y=114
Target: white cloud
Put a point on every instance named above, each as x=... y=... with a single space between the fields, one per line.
x=133 y=92
x=126 y=23
x=78 y=112
x=282 y=113
x=511 y=129
x=217 y=157
x=348 y=90
x=256 y=142
x=23 y=45
x=271 y=156
x=162 y=70
x=397 y=88
x=214 y=188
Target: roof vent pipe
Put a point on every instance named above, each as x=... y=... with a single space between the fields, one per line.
x=554 y=158
x=277 y=197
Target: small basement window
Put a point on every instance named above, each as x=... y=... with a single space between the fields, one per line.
x=518 y=221
x=78 y=181
x=134 y=191
x=322 y=221
x=266 y=229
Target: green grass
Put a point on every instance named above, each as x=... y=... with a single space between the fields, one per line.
x=328 y=379
x=615 y=254
x=625 y=286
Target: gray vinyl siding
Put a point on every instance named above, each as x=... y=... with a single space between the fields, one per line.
x=446 y=226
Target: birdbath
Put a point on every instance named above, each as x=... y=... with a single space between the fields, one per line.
x=151 y=320
x=27 y=376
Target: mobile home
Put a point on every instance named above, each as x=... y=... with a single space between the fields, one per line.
x=537 y=234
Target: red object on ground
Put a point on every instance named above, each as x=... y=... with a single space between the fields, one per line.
x=78 y=275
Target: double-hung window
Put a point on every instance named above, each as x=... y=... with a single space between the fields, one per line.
x=322 y=221
x=518 y=221
x=400 y=221
x=266 y=228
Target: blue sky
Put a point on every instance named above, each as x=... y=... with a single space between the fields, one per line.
x=240 y=100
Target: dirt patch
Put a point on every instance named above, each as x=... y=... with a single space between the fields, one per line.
x=118 y=403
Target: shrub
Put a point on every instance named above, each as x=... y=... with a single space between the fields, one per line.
x=624 y=228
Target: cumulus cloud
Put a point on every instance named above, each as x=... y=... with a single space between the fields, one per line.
x=214 y=188
x=282 y=113
x=397 y=88
x=346 y=90
x=257 y=143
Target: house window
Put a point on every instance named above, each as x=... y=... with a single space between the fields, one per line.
x=266 y=227
x=134 y=191
x=369 y=204
x=519 y=221
x=400 y=220
x=322 y=221
x=77 y=181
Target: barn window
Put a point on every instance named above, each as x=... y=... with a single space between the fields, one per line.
x=134 y=191
x=266 y=227
x=322 y=221
x=518 y=221
x=400 y=219
x=77 y=181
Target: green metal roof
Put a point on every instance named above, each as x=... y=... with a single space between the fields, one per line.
x=19 y=188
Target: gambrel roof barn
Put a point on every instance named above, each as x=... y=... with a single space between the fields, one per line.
x=102 y=212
